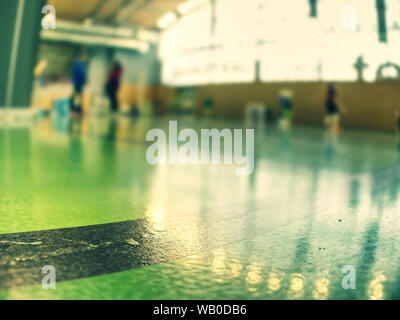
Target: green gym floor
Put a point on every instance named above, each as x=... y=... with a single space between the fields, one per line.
x=81 y=197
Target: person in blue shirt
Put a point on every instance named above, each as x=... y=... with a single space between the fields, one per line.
x=78 y=82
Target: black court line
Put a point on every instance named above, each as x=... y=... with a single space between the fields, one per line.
x=89 y=251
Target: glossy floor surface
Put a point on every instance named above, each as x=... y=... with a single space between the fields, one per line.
x=81 y=196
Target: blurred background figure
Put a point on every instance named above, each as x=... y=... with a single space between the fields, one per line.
x=79 y=76
x=332 y=118
x=286 y=106
x=40 y=68
x=38 y=81
x=397 y=116
x=208 y=106
x=112 y=85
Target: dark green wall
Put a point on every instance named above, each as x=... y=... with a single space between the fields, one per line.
x=27 y=53
x=7 y=14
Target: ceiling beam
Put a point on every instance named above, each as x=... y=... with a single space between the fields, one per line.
x=95 y=13
x=124 y=6
x=133 y=9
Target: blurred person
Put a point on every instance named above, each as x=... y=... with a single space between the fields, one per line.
x=38 y=83
x=208 y=105
x=332 y=118
x=286 y=105
x=40 y=68
x=79 y=76
x=112 y=85
x=397 y=116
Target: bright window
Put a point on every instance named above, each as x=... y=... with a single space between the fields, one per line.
x=221 y=44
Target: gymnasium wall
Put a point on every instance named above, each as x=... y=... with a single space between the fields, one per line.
x=370 y=105
x=135 y=94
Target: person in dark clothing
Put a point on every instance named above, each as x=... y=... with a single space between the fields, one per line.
x=332 y=118
x=78 y=82
x=331 y=106
x=398 y=123
x=112 y=85
x=397 y=116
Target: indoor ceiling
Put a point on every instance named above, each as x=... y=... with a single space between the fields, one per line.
x=138 y=12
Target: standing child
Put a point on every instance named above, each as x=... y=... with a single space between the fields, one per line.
x=397 y=116
x=112 y=85
x=332 y=118
x=78 y=81
x=286 y=105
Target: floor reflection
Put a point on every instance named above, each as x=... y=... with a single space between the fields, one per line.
x=313 y=204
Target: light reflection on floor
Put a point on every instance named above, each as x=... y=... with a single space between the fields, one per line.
x=314 y=204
